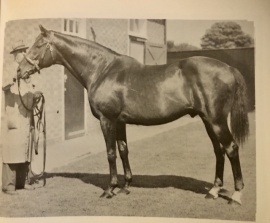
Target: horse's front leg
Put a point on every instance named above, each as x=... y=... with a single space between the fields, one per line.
x=123 y=151
x=109 y=131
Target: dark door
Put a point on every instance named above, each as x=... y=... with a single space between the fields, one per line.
x=74 y=107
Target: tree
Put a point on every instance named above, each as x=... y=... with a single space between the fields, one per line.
x=180 y=47
x=170 y=44
x=225 y=35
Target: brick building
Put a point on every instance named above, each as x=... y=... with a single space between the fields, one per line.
x=67 y=109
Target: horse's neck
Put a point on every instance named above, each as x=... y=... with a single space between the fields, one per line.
x=83 y=58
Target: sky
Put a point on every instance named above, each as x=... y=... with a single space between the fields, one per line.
x=191 y=31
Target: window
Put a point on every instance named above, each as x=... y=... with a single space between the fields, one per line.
x=75 y=27
x=138 y=27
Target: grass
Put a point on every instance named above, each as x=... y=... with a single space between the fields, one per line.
x=172 y=173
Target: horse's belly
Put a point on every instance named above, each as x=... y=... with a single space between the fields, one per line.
x=156 y=104
x=154 y=112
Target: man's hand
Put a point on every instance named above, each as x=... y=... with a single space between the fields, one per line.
x=37 y=96
x=7 y=86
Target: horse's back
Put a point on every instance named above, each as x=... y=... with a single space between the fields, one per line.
x=142 y=94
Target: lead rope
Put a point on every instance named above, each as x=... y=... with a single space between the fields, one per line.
x=40 y=128
x=41 y=122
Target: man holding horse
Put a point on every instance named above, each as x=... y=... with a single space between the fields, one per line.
x=17 y=129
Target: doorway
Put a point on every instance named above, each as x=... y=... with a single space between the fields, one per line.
x=74 y=93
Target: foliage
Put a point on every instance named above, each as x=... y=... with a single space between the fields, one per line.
x=170 y=45
x=180 y=47
x=225 y=35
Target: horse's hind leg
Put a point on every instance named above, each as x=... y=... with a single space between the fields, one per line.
x=225 y=138
x=231 y=149
x=220 y=159
x=121 y=140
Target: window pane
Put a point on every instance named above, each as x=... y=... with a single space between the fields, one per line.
x=65 y=25
x=77 y=26
x=137 y=25
x=71 y=26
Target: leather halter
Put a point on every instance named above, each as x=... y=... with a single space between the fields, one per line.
x=36 y=63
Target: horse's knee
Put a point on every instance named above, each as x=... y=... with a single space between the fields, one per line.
x=122 y=146
x=111 y=157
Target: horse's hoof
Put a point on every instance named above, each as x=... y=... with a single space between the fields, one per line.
x=213 y=193
x=236 y=198
x=234 y=203
x=107 y=194
x=123 y=191
x=210 y=196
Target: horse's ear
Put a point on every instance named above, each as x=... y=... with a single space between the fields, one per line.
x=43 y=31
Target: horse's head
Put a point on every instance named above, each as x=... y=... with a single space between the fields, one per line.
x=40 y=55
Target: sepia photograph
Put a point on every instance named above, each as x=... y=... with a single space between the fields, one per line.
x=152 y=117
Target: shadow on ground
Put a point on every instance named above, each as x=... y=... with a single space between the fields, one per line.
x=143 y=181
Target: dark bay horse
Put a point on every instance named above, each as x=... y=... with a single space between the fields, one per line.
x=123 y=91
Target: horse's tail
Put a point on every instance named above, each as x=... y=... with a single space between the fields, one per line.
x=239 y=114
